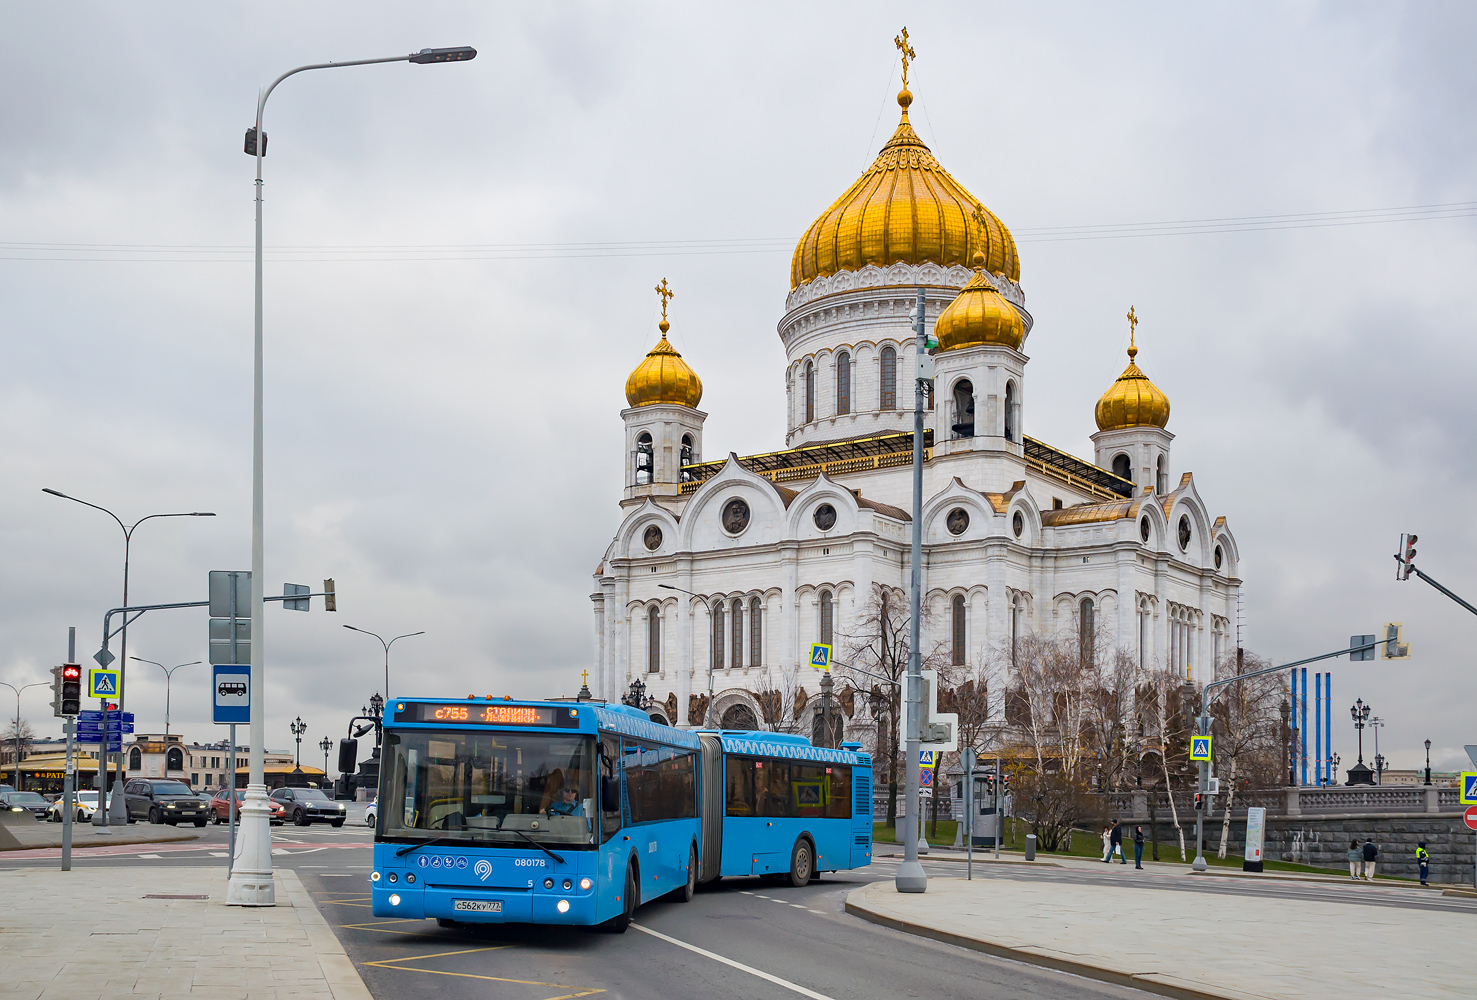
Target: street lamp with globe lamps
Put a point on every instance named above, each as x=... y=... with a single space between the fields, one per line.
x=325 y=745
x=298 y=727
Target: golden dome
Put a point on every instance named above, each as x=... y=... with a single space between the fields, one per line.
x=663 y=377
x=979 y=315
x=1132 y=401
x=905 y=208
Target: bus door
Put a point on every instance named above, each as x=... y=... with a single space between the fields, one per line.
x=614 y=849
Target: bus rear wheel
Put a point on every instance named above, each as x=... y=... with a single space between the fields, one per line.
x=802 y=864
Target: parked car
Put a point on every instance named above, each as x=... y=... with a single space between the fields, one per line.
x=30 y=802
x=85 y=802
x=220 y=807
x=308 y=805
x=164 y=800
x=372 y=813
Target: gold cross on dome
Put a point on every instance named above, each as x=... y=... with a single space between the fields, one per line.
x=586 y=675
x=666 y=293
x=901 y=41
x=1133 y=323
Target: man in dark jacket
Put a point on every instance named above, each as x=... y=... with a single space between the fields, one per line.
x=1116 y=841
x=1371 y=855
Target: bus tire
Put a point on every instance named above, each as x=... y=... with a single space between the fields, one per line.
x=618 y=924
x=686 y=892
x=802 y=863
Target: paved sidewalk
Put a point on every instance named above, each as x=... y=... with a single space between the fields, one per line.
x=92 y=935
x=31 y=835
x=1193 y=944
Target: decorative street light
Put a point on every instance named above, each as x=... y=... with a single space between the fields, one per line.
x=637 y=697
x=1428 y=762
x=325 y=745
x=18 y=690
x=168 y=677
x=387 y=646
x=119 y=808
x=1360 y=713
x=1379 y=761
x=251 y=876
x=298 y=727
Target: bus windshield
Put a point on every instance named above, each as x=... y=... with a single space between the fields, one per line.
x=489 y=786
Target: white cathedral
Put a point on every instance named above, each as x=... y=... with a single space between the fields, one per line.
x=723 y=573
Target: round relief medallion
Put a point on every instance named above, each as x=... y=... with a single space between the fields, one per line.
x=1144 y=528
x=958 y=521
x=735 y=516
x=1218 y=557
x=653 y=538
x=1184 y=532
x=1018 y=524
x=825 y=517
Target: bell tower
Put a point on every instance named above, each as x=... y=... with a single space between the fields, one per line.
x=664 y=427
x=1131 y=441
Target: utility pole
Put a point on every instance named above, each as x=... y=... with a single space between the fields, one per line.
x=910 y=876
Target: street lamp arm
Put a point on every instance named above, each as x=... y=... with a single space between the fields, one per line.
x=67 y=496
x=397 y=638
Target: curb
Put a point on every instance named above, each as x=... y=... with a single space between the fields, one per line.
x=1093 y=972
x=343 y=979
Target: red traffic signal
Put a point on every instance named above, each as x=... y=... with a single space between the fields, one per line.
x=1407 y=557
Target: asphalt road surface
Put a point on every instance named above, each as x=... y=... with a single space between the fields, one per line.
x=742 y=939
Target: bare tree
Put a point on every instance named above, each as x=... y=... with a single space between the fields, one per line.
x=783 y=702
x=1246 y=724
x=1167 y=728
x=16 y=728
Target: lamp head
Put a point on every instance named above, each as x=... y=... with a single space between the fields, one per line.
x=459 y=53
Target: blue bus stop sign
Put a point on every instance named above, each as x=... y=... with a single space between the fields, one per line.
x=231 y=693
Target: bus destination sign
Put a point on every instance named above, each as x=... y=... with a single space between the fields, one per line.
x=481 y=713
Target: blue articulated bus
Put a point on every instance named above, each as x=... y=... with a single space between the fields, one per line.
x=578 y=812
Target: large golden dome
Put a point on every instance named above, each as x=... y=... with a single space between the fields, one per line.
x=979 y=315
x=905 y=208
x=663 y=377
x=1132 y=401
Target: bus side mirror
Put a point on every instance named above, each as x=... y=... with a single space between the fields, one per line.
x=348 y=755
x=610 y=795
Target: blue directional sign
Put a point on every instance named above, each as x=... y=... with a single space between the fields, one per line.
x=231 y=693
x=1469 y=788
x=1200 y=748
x=820 y=655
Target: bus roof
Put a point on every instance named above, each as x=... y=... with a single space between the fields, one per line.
x=782 y=745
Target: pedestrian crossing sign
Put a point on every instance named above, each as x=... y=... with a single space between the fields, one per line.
x=820 y=655
x=1469 y=788
x=1200 y=748
x=927 y=759
x=102 y=683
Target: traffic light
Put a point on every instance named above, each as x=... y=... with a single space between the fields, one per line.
x=56 y=691
x=1199 y=802
x=330 y=599
x=71 y=689
x=1393 y=648
x=1407 y=557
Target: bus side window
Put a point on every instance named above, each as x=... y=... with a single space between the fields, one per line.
x=610 y=787
x=772 y=787
x=741 y=778
x=839 y=806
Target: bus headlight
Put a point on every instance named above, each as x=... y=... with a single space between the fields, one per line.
x=563 y=906
x=585 y=884
x=394 y=899
x=374 y=876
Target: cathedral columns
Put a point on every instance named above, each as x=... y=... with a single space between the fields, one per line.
x=997 y=597
x=620 y=621
x=682 y=661
x=1128 y=610
x=598 y=599
x=789 y=583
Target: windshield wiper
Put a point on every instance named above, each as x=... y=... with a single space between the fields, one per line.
x=541 y=847
x=425 y=843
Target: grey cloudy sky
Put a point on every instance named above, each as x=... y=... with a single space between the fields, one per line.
x=442 y=424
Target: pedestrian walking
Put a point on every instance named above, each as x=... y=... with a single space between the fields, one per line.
x=1115 y=843
x=1423 y=858
x=1107 y=843
x=1138 y=847
x=1356 y=861
x=1371 y=856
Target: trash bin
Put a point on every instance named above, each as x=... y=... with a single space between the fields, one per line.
x=1030 y=847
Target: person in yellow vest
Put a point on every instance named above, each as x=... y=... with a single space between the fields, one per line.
x=1423 y=858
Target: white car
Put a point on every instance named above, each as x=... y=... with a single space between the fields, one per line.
x=371 y=814
x=85 y=803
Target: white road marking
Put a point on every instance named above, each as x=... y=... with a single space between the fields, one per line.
x=220 y=854
x=736 y=965
x=154 y=857
x=799 y=907
x=337 y=875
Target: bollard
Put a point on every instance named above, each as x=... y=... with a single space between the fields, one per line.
x=1030 y=847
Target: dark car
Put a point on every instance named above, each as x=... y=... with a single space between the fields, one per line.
x=165 y=800
x=25 y=802
x=308 y=805
x=220 y=808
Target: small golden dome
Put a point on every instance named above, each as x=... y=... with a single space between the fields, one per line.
x=663 y=377
x=1132 y=401
x=905 y=208
x=979 y=315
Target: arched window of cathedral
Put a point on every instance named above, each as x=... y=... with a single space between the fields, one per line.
x=645 y=459
x=843 y=383
x=687 y=457
x=739 y=717
x=174 y=760
x=963 y=425
x=1161 y=481
x=1219 y=558
x=809 y=391
x=1018 y=524
x=1122 y=467
x=135 y=759
x=1143 y=636
x=718 y=636
x=756 y=633
x=1184 y=532
x=889 y=379
x=737 y=654
x=958 y=623
x=653 y=639
x=1016 y=612
x=1086 y=627
x=1144 y=528
x=1010 y=411
x=828 y=618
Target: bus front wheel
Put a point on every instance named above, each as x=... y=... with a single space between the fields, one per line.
x=618 y=924
x=685 y=894
x=802 y=864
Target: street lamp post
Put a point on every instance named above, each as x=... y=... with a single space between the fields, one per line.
x=251 y=875
x=387 y=646
x=298 y=727
x=118 y=808
x=1428 y=762
x=1379 y=761
x=18 y=691
x=325 y=745
x=168 y=677
x=910 y=876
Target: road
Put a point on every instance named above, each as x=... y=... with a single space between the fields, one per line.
x=742 y=939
